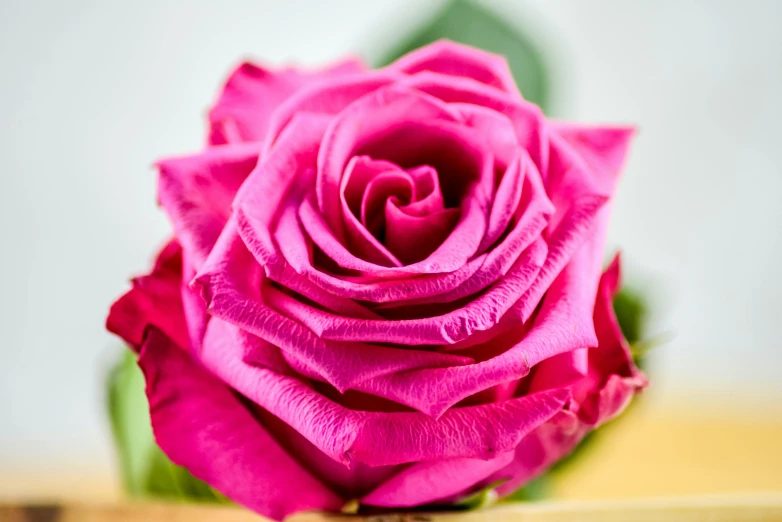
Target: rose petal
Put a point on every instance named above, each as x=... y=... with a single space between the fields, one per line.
x=359 y=171
x=154 y=300
x=528 y=120
x=325 y=98
x=201 y=425
x=359 y=123
x=600 y=395
x=196 y=192
x=453 y=59
x=242 y=111
x=427 y=482
x=377 y=438
x=230 y=282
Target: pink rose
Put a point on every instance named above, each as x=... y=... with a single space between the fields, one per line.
x=383 y=285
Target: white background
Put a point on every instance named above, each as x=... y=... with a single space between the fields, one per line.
x=91 y=92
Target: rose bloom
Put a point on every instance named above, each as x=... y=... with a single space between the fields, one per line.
x=383 y=285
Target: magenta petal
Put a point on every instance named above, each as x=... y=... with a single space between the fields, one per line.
x=376 y=438
x=476 y=431
x=200 y=424
x=244 y=107
x=266 y=190
x=453 y=59
x=231 y=282
x=427 y=482
x=506 y=200
x=428 y=194
x=354 y=127
x=325 y=98
x=599 y=395
x=603 y=149
x=396 y=184
x=359 y=172
x=528 y=121
x=197 y=191
x=414 y=238
x=349 y=482
x=154 y=300
x=193 y=306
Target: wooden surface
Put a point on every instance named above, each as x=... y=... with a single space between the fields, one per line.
x=745 y=508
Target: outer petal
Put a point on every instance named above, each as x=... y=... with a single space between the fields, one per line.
x=325 y=98
x=154 y=300
x=527 y=118
x=201 y=425
x=603 y=149
x=231 y=283
x=453 y=59
x=196 y=192
x=427 y=482
x=603 y=391
x=378 y=438
x=243 y=110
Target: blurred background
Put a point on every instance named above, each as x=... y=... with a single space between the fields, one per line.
x=92 y=92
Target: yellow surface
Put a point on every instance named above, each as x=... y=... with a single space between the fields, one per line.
x=652 y=453
x=649 y=452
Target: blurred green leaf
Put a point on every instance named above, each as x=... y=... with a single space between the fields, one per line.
x=146 y=471
x=535 y=489
x=466 y=22
x=481 y=499
x=631 y=311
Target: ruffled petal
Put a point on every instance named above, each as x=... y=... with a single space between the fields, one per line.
x=243 y=110
x=453 y=59
x=200 y=424
x=427 y=482
x=154 y=300
x=231 y=283
x=379 y=438
x=197 y=191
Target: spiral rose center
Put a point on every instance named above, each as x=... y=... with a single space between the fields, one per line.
x=399 y=200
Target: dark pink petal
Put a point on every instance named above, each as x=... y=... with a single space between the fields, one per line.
x=528 y=121
x=414 y=238
x=396 y=184
x=243 y=110
x=200 y=424
x=535 y=212
x=360 y=123
x=154 y=300
x=603 y=149
x=231 y=281
x=429 y=197
x=197 y=191
x=193 y=306
x=604 y=390
x=379 y=438
x=358 y=173
x=349 y=482
x=427 y=482
x=326 y=98
x=506 y=200
x=480 y=314
x=563 y=323
x=453 y=59
x=268 y=187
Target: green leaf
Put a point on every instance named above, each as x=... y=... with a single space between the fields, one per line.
x=146 y=471
x=631 y=312
x=466 y=22
x=535 y=489
x=481 y=499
